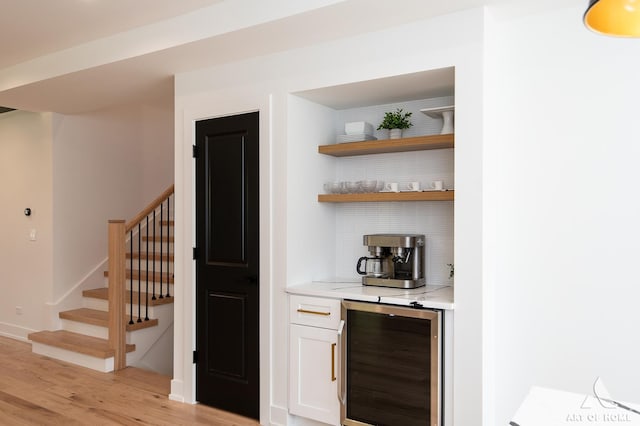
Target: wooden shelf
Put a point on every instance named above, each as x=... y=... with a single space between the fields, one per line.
x=418 y=143
x=387 y=196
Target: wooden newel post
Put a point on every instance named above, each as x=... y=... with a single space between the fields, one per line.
x=117 y=276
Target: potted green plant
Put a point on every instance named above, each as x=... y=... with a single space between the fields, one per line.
x=395 y=122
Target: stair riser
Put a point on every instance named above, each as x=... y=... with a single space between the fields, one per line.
x=98 y=364
x=86 y=329
x=103 y=332
x=142 y=266
x=103 y=305
x=143 y=286
x=167 y=246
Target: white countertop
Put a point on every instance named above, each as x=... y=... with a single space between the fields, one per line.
x=430 y=296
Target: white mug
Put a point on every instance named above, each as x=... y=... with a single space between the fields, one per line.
x=391 y=187
x=413 y=186
x=438 y=185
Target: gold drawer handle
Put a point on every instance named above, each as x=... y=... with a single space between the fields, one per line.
x=304 y=311
x=333 y=362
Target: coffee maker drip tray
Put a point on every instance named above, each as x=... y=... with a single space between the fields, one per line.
x=390 y=282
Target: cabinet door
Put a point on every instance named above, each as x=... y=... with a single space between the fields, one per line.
x=312 y=378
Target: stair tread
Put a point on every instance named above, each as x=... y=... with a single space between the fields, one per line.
x=76 y=342
x=151 y=256
x=87 y=316
x=101 y=318
x=158 y=238
x=103 y=294
x=152 y=277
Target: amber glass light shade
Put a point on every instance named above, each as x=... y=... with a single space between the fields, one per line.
x=614 y=17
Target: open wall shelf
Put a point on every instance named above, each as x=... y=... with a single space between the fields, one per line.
x=418 y=143
x=387 y=196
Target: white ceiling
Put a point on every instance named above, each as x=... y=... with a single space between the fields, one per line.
x=71 y=56
x=32 y=28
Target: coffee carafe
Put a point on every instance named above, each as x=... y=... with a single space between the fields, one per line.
x=397 y=260
x=373 y=266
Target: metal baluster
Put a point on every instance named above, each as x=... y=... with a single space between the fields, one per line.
x=168 y=242
x=161 y=249
x=131 y=277
x=139 y=268
x=154 y=256
x=146 y=292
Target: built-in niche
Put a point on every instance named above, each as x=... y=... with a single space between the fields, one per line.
x=320 y=116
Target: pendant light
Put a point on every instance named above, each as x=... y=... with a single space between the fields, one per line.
x=614 y=17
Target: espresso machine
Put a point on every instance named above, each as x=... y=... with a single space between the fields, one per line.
x=397 y=260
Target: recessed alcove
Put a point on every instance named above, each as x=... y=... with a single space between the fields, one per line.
x=316 y=117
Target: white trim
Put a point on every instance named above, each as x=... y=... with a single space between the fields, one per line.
x=69 y=292
x=279 y=416
x=176 y=391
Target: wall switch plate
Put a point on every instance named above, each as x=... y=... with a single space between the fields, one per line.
x=33 y=235
x=18 y=310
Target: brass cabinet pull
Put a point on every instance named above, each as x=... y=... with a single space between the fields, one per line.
x=333 y=362
x=304 y=311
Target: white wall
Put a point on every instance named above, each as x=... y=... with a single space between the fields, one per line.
x=107 y=164
x=25 y=181
x=265 y=83
x=561 y=188
x=311 y=241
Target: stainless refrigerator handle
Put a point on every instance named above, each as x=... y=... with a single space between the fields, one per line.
x=340 y=372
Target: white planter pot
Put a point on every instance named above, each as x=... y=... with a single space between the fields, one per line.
x=395 y=133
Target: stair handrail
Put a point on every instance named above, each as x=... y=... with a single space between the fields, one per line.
x=151 y=207
x=117 y=235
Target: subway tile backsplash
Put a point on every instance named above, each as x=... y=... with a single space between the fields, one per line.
x=432 y=218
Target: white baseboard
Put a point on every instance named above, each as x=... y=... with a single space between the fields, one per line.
x=177 y=393
x=15 y=331
x=279 y=416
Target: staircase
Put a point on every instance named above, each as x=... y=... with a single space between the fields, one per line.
x=84 y=336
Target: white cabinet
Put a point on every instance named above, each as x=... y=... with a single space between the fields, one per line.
x=313 y=364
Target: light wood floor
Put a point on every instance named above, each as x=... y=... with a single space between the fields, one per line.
x=36 y=390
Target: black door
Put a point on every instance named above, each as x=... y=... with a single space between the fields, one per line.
x=227 y=286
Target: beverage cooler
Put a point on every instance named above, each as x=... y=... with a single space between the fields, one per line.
x=390 y=365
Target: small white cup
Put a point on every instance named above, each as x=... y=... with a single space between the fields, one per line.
x=413 y=186
x=391 y=187
x=437 y=185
